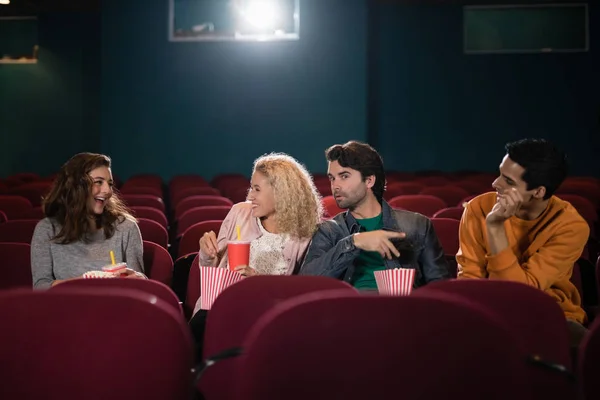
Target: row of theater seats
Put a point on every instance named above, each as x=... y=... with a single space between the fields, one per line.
x=293 y=337
x=433 y=196
x=192 y=206
x=159 y=263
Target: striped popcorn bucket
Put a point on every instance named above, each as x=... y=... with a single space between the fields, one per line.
x=213 y=281
x=98 y=275
x=395 y=282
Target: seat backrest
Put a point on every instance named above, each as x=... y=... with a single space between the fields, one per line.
x=25 y=177
x=158 y=263
x=145 y=351
x=234 y=188
x=238 y=308
x=18 y=230
x=12 y=181
x=447 y=232
x=149 y=286
x=179 y=181
x=200 y=201
x=450 y=194
x=317 y=347
x=450 y=212
x=15 y=265
x=576 y=279
x=588 y=190
x=153 y=231
x=588 y=179
x=589 y=363
x=36 y=213
x=323 y=187
x=398 y=176
x=223 y=180
x=421 y=203
x=237 y=194
x=598 y=276
x=473 y=187
x=150 y=213
x=331 y=207
x=402 y=189
x=15 y=207
x=192 y=293
x=185 y=192
x=190 y=239
x=32 y=192
x=584 y=207
x=452 y=266
x=200 y=214
x=147 y=180
x=463 y=202
x=2 y=217
x=144 y=200
x=141 y=188
x=540 y=325
x=432 y=180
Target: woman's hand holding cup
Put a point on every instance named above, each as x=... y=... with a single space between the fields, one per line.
x=245 y=270
x=131 y=274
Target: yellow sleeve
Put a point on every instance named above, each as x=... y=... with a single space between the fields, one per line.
x=471 y=258
x=552 y=263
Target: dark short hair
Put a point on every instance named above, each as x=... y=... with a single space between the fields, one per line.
x=363 y=158
x=544 y=164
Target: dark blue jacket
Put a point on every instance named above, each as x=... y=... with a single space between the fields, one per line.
x=332 y=251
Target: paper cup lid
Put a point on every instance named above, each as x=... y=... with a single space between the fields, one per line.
x=115 y=267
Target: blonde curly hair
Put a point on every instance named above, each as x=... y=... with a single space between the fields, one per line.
x=298 y=207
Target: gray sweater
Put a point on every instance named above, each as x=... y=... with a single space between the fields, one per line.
x=53 y=261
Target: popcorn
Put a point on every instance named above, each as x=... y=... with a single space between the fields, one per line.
x=98 y=275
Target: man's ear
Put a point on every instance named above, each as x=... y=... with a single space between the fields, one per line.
x=540 y=192
x=370 y=181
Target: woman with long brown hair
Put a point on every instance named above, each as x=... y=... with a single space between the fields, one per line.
x=85 y=221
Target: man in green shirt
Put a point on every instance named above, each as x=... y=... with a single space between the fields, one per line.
x=368 y=261
x=371 y=235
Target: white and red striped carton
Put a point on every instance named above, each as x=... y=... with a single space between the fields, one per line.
x=395 y=282
x=213 y=281
x=98 y=275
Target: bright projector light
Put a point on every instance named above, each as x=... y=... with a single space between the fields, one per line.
x=261 y=14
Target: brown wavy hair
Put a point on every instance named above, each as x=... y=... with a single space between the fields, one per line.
x=297 y=202
x=67 y=202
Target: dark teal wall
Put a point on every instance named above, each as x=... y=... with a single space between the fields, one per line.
x=114 y=83
x=441 y=109
x=198 y=107
x=49 y=110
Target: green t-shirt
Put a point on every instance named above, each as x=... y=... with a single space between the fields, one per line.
x=368 y=261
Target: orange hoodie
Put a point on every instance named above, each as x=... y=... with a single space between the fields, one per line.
x=541 y=252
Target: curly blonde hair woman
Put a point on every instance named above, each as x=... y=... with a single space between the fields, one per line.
x=279 y=217
x=281 y=214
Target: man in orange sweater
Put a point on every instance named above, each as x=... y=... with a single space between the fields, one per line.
x=525 y=234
